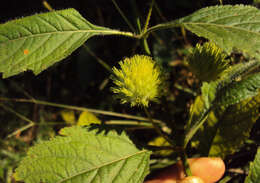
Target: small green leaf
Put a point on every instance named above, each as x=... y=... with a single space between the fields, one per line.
x=85 y=155
x=254 y=172
x=87 y=118
x=68 y=116
x=37 y=42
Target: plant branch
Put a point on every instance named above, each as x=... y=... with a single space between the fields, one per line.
x=148 y=17
x=99 y=60
x=185 y=163
x=123 y=16
x=108 y=113
x=158 y=129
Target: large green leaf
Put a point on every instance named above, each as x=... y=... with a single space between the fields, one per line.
x=36 y=42
x=234 y=127
x=224 y=91
x=228 y=26
x=254 y=172
x=85 y=155
x=226 y=129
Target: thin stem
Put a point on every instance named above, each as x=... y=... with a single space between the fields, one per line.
x=146 y=46
x=185 y=163
x=158 y=129
x=159 y=148
x=123 y=16
x=108 y=113
x=148 y=17
x=158 y=27
x=139 y=28
x=31 y=123
x=187 y=90
x=99 y=60
x=192 y=130
x=47 y=5
x=159 y=12
x=16 y=113
x=127 y=122
x=20 y=130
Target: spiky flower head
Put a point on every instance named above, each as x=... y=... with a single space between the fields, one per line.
x=137 y=81
x=207 y=62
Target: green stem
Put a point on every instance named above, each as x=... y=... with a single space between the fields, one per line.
x=144 y=41
x=146 y=46
x=185 y=163
x=31 y=123
x=21 y=130
x=108 y=113
x=17 y=114
x=100 y=61
x=158 y=27
x=192 y=130
x=127 y=122
x=123 y=16
x=148 y=16
x=158 y=129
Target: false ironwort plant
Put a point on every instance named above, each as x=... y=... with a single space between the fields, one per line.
x=219 y=120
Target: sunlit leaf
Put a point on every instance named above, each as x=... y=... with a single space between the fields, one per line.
x=85 y=155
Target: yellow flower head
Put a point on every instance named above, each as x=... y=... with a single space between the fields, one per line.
x=207 y=62
x=137 y=82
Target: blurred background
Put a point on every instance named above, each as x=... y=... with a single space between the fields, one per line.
x=80 y=79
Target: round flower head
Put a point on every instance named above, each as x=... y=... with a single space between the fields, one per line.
x=207 y=62
x=137 y=80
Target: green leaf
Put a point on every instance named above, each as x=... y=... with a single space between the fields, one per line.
x=238 y=91
x=254 y=172
x=37 y=42
x=228 y=26
x=217 y=93
x=85 y=155
x=234 y=127
x=226 y=129
x=87 y=118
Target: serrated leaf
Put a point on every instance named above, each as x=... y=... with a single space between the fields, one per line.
x=226 y=129
x=228 y=26
x=85 y=155
x=217 y=93
x=238 y=91
x=254 y=171
x=37 y=42
x=234 y=127
x=87 y=118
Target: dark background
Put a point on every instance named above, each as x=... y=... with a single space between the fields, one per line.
x=79 y=80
